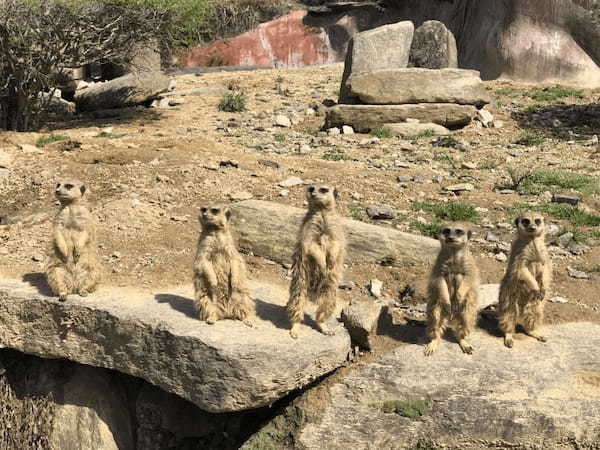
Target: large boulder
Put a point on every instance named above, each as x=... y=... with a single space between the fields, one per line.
x=364 y=118
x=535 y=395
x=386 y=47
x=128 y=90
x=414 y=85
x=223 y=367
x=433 y=47
x=269 y=230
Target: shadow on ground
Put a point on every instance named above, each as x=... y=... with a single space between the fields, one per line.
x=579 y=119
x=38 y=281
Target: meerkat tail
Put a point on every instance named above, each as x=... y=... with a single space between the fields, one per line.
x=298 y=291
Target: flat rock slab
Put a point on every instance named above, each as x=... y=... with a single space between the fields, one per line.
x=364 y=118
x=535 y=395
x=270 y=229
x=417 y=85
x=155 y=336
x=129 y=90
x=415 y=129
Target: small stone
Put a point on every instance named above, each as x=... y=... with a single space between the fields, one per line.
x=504 y=226
x=240 y=196
x=267 y=163
x=459 y=187
x=282 y=121
x=27 y=148
x=497 y=124
x=577 y=249
x=291 y=182
x=577 y=274
x=468 y=165
x=303 y=149
x=564 y=239
x=310 y=112
x=116 y=255
x=37 y=258
x=375 y=287
x=347 y=285
x=569 y=199
x=179 y=218
x=558 y=299
x=347 y=129
x=380 y=212
x=438 y=179
x=333 y=131
x=501 y=257
x=356 y=196
x=284 y=193
x=229 y=163
x=491 y=237
x=485 y=117
x=552 y=229
x=403 y=179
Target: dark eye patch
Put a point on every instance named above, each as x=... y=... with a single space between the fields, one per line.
x=214 y=211
x=311 y=189
x=203 y=210
x=538 y=221
x=58 y=185
x=69 y=186
x=446 y=231
x=459 y=232
x=324 y=190
x=525 y=222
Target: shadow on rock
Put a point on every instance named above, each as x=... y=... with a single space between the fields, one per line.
x=178 y=303
x=38 y=281
x=559 y=120
x=409 y=333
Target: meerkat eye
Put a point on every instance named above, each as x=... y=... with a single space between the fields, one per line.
x=311 y=189
x=58 y=186
x=538 y=221
x=69 y=186
x=446 y=231
x=324 y=190
x=525 y=222
x=214 y=211
x=459 y=232
x=203 y=210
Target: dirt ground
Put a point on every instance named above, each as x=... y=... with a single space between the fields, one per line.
x=157 y=166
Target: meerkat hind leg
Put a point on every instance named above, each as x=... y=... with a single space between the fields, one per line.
x=324 y=328
x=294 y=331
x=432 y=346
x=60 y=281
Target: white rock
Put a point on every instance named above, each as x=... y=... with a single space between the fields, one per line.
x=291 y=182
x=375 y=287
x=333 y=131
x=347 y=129
x=28 y=148
x=239 y=196
x=282 y=121
x=485 y=117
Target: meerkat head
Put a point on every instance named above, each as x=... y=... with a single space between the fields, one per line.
x=69 y=191
x=530 y=224
x=321 y=196
x=455 y=235
x=214 y=217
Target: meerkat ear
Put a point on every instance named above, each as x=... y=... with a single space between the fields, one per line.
x=336 y=194
x=227 y=213
x=82 y=189
x=469 y=235
x=517 y=222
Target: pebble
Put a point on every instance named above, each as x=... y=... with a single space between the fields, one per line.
x=577 y=249
x=501 y=257
x=503 y=226
x=346 y=129
x=485 y=117
x=240 y=196
x=459 y=187
x=27 y=148
x=347 y=285
x=375 y=287
x=282 y=121
x=380 y=212
x=569 y=199
x=491 y=237
x=284 y=193
x=559 y=299
x=564 y=239
x=333 y=131
x=267 y=163
x=291 y=182
x=468 y=165
x=577 y=274
x=230 y=163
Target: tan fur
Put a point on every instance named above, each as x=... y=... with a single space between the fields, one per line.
x=453 y=289
x=73 y=265
x=220 y=283
x=527 y=280
x=318 y=260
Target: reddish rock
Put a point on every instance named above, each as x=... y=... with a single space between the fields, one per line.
x=284 y=42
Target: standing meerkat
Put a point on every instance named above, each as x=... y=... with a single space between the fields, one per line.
x=527 y=280
x=73 y=264
x=220 y=283
x=318 y=260
x=453 y=289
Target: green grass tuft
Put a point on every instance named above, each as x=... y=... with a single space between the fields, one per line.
x=43 y=141
x=234 y=101
x=357 y=211
x=422 y=135
x=381 y=133
x=336 y=157
x=558 y=211
x=106 y=135
x=411 y=409
x=452 y=211
x=558 y=181
x=431 y=230
x=553 y=93
x=530 y=140
x=446 y=141
x=279 y=137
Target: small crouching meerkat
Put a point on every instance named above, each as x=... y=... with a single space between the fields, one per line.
x=453 y=289
x=220 y=283
x=318 y=260
x=73 y=265
x=527 y=280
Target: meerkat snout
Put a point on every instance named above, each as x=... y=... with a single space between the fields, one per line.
x=214 y=217
x=532 y=224
x=455 y=235
x=321 y=195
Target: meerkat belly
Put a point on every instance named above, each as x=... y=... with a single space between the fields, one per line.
x=222 y=268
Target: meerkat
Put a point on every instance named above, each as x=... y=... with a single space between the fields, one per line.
x=453 y=289
x=318 y=259
x=73 y=265
x=220 y=282
x=527 y=280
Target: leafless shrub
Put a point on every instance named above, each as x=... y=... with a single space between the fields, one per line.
x=39 y=41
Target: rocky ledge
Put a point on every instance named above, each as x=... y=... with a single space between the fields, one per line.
x=155 y=336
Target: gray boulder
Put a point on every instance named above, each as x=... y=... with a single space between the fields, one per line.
x=534 y=396
x=360 y=318
x=385 y=47
x=433 y=47
x=364 y=118
x=224 y=367
x=400 y=86
x=269 y=230
x=128 y=90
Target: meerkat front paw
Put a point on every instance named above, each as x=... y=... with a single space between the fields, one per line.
x=508 y=341
x=431 y=347
x=294 y=331
x=536 y=335
x=466 y=347
x=62 y=296
x=323 y=328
